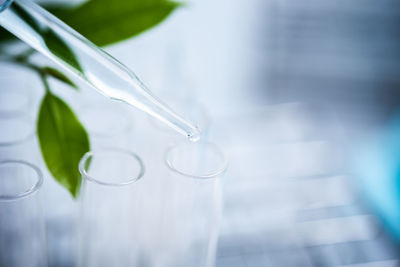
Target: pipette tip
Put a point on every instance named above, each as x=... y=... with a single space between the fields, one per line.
x=195 y=135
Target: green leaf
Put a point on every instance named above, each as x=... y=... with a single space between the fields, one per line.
x=6 y=36
x=105 y=22
x=63 y=141
x=58 y=75
x=59 y=48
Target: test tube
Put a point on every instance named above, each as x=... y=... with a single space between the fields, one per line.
x=17 y=134
x=17 y=139
x=108 y=208
x=183 y=231
x=21 y=221
x=18 y=142
x=16 y=98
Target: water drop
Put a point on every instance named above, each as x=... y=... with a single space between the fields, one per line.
x=194 y=136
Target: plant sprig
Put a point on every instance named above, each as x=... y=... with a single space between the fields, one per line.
x=63 y=139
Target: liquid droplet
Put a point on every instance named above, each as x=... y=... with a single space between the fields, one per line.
x=195 y=136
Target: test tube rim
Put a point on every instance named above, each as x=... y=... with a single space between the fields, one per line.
x=33 y=189
x=87 y=155
x=24 y=138
x=22 y=110
x=214 y=174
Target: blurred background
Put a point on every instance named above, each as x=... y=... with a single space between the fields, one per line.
x=303 y=96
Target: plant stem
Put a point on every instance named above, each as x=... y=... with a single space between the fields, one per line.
x=44 y=80
x=23 y=57
x=22 y=60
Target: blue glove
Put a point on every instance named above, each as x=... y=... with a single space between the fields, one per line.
x=377 y=166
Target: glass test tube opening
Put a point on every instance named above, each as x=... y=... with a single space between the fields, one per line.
x=189 y=217
x=22 y=238
x=15 y=131
x=200 y=160
x=17 y=139
x=15 y=101
x=108 y=207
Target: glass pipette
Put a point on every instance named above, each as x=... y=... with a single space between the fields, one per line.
x=47 y=34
